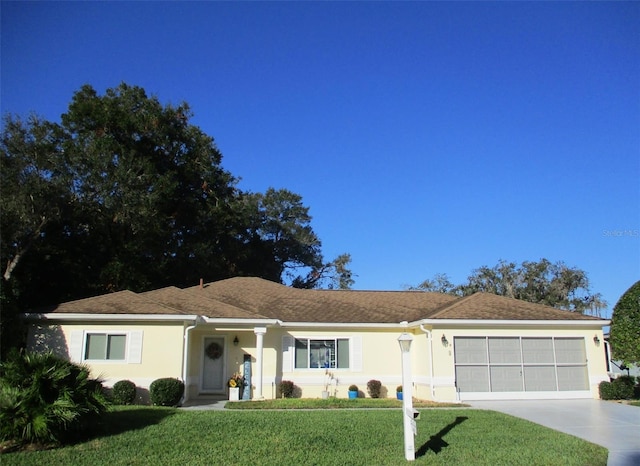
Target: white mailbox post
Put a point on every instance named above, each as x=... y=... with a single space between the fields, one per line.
x=409 y=414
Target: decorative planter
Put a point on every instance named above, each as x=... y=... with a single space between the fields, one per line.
x=353 y=394
x=399 y=395
x=325 y=395
x=234 y=393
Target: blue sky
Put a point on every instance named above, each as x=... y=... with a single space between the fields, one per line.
x=426 y=137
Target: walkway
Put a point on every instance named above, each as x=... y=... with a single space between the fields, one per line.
x=613 y=425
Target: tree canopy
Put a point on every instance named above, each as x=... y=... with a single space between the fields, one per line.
x=625 y=327
x=125 y=193
x=543 y=282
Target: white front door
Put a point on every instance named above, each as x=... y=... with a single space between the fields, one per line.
x=213 y=366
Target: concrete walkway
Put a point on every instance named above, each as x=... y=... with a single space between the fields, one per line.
x=613 y=425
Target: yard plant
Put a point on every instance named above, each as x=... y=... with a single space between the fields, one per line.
x=46 y=400
x=123 y=392
x=166 y=391
x=154 y=435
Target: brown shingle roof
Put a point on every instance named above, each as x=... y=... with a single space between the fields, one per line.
x=488 y=306
x=121 y=302
x=192 y=302
x=255 y=298
x=332 y=306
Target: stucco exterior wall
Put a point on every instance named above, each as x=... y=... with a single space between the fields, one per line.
x=161 y=349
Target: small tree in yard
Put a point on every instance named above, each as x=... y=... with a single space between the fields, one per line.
x=47 y=400
x=625 y=327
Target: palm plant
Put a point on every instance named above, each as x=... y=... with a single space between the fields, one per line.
x=46 y=399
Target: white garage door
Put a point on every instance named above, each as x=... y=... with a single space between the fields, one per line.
x=518 y=367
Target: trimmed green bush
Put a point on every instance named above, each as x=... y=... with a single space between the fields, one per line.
x=166 y=392
x=46 y=399
x=621 y=388
x=123 y=392
x=374 y=388
x=286 y=388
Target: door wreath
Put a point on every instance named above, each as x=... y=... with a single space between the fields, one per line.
x=213 y=350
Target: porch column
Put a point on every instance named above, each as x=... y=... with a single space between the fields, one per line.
x=259 y=331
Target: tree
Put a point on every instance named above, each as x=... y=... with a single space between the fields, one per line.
x=625 y=327
x=125 y=193
x=542 y=282
x=440 y=283
x=284 y=246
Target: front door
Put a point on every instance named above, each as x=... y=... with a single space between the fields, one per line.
x=213 y=366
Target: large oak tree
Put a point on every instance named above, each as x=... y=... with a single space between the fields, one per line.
x=125 y=193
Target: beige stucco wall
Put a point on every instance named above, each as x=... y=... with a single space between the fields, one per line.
x=162 y=355
x=161 y=349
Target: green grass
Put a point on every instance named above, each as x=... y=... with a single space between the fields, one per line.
x=165 y=436
x=334 y=403
x=634 y=403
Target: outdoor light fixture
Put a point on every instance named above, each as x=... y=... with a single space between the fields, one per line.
x=405 y=342
x=236 y=341
x=444 y=340
x=596 y=340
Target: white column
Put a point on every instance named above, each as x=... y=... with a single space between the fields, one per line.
x=259 y=331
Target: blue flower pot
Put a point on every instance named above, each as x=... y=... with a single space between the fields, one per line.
x=353 y=394
x=399 y=395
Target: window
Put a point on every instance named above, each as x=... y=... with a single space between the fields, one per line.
x=104 y=346
x=120 y=345
x=322 y=354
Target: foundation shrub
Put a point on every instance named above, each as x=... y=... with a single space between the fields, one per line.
x=123 y=392
x=166 y=392
x=374 y=388
x=286 y=388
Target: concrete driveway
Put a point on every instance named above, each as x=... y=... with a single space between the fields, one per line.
x=614 y=426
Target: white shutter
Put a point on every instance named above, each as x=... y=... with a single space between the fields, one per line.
x=356 y=353
x=135 y=347
x=75 y=345
x=287 y=354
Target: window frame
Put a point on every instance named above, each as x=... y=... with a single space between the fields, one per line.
x=334 y=361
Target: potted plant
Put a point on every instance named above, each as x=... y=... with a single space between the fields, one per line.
x=328 y=379
x=235 y=384
x=353 y=392
x=399 y=392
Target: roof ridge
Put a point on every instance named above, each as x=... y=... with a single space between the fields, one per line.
x=448 y=306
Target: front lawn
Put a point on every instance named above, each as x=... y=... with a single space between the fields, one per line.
x=165 y=436
x=335 y=403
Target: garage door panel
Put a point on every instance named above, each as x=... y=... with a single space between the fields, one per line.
x=506 y=379
x=572 y=378
x=537 y=350
x=540 y=378
x=470 y=350
x=472 y=378
x=504 y=350
x=570 y=351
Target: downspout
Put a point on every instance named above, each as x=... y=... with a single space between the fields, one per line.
x=429 y=336
x=185 y=350
x=607 y=356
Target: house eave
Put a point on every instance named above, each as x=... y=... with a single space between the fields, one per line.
x=221 y=321
x=81 y=317
x=484 y=323
x=389 y=325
